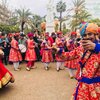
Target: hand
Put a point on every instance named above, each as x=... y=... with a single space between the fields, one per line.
x=88 y=45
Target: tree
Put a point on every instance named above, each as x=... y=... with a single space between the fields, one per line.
x=23 y=17
x=36 y=20
x=97 y=21
x=80 y=13
x=61 y=7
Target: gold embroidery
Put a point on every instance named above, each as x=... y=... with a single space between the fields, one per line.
x=84 y=71
x=97 y=89
x=96 y=64
x=93 y=94
x=84 y=86
x=5 y=80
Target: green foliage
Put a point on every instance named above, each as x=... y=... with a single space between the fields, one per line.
x=97 y=21
x=8 y=28
x=61 y=7
x=80 y=13
x=65 y=31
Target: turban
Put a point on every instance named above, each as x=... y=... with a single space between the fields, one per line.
x=93 y=28
x=30 y=34
x=73 y=33
x=47 y=34
x=59 y=32
x=88 y=27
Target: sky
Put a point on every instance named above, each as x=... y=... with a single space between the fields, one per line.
x=40 y=6
x=36 y=6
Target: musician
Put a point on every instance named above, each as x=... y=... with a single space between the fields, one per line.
x=46 y=47
x=30 y=52
x=22 y=41
x=60 y=44
x=71 y=45
x=88 y=74
x=15 y=55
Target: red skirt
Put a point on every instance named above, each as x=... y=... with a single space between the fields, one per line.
x=5 y=75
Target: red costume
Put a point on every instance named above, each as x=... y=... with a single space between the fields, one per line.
x=46 y=50
x=5 y=75
x=15 y=55
x=91 y=70
x=30 y=53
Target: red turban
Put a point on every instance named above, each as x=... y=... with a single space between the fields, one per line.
x=73 y=33
x=30 y=34
x=59 y=32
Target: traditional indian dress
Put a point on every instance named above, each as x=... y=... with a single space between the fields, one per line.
x=88 y=74
x=5 y=75
x=30 y=53
x=46 y=52
x=15 y=55
x=60 y=44
x=73 y=64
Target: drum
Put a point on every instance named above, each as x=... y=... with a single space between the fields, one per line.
x=22 y=48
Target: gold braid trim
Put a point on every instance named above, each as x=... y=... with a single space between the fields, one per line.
x=5 y=80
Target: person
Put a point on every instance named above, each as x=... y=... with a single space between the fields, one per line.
x=22 y=43
x=88 y=74
x=15 y=55
x=73 y=64
x=93 y=46
x=46 y=48
x=30 y=52
x=60 y=44
x=5 y=75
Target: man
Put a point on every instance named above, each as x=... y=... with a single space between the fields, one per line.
x=88 y=74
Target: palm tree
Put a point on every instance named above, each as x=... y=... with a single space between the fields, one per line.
x=36 y=20
x=61 y=7
x=23 y=17
x=80 y=13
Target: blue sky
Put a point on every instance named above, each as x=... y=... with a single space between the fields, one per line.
x=39 y=6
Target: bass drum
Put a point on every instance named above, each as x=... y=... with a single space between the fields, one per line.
x=22 y=48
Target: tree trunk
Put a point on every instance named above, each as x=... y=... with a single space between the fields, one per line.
x=22 y=26
x=60 y=21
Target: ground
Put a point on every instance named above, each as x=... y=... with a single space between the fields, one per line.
x=39 y=84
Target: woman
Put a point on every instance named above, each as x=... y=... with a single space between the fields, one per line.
x=5 y=75
x=88 y=74
x=30 y=52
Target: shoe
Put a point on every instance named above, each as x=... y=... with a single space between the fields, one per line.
x=46 y=68
x=71 y=77
x=28 y=69
x=19 y=68
x=16 y=69
x=33 y=67
x=58 y=69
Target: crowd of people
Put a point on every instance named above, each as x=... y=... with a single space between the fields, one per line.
x=74 y=50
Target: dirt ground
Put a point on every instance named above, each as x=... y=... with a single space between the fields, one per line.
x=39 y=84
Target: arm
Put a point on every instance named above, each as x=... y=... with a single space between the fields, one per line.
x=76 y=53
x=91 y=46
